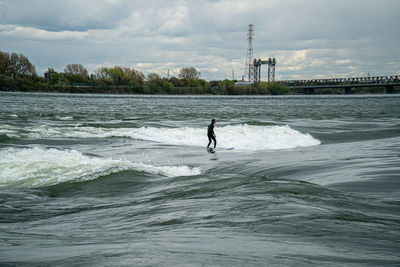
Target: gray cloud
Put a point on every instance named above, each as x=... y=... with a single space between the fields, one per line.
x=309 y=38
x=67 y=15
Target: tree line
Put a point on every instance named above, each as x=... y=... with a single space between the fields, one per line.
x=17 y=73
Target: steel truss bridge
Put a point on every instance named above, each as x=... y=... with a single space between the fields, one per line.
x=347 y=84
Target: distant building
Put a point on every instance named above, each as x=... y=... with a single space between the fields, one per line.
x=48 y=73
x=243 y=83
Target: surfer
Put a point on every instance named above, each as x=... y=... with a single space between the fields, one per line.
x=210 y=133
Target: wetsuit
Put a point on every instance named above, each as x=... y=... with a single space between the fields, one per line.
x=210 y=134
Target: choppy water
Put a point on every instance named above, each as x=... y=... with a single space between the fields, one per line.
x=98 y=180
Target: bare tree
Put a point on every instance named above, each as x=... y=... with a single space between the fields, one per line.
x=189 y=73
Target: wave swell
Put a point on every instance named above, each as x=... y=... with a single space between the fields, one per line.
x=36 y=167
x=243 y=137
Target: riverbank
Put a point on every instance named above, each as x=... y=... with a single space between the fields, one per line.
x=182 y=91
x=172 y=86
x=175 y=86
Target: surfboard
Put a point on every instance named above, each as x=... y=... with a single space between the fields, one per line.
x=213 y=150
x=210 y=150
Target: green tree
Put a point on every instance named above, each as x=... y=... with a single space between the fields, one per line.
x=272 y=88
x=154 y=84
x=59 y=80
x=5 y=64
x=153 y=77
x=7 y=83
x=102 y=75
x=192 y=83
x=168 y=87
x=22 y=66
x=16 y=65
x=119 y=76
x=177 y=82
x=278 y=89
x=133 y=76
x=76 y=69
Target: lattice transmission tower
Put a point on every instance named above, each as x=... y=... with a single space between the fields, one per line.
x=249 y=67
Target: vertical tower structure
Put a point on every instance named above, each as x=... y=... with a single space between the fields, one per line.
x=249 y=67
x=271 y=69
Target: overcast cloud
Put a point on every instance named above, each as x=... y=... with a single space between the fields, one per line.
x=308 y=38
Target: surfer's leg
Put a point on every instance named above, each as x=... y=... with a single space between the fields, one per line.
x=215 y=141
x=209 y=142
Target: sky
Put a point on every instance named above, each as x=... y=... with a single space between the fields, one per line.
x=310 y=39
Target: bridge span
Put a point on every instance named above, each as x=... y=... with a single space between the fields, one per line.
x=349 y=85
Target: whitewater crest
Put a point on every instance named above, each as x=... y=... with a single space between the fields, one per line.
x=36 y=167
x=242 y=137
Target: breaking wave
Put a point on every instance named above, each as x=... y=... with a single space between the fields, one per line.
x=36 y=167
x=244 y=137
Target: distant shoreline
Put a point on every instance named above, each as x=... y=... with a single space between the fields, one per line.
x=17 y=73
x=120 y=91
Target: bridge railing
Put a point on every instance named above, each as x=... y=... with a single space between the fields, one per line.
x=344 y=81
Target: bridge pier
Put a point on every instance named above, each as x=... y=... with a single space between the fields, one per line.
x=309 y=91
x=389 y=89
x=347 y=90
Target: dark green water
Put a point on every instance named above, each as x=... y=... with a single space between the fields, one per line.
x=99 y=180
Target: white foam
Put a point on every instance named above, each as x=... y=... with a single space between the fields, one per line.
x=243 y=137
x=7 y=132
x=35 y=167
x=66 y=118
x=169 y=171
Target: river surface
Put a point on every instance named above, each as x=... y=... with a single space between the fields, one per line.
x=106 y=180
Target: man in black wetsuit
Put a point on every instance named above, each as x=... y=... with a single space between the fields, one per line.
x=210 y=133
